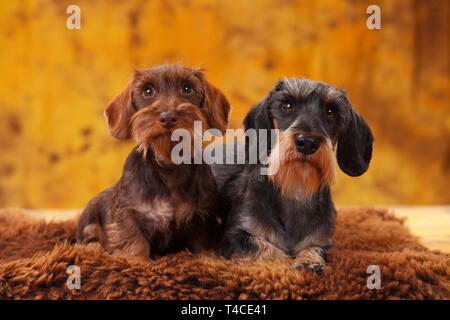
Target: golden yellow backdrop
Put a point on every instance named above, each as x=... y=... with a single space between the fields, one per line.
x=55 y=150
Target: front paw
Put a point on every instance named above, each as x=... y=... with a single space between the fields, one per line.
x=310 y=259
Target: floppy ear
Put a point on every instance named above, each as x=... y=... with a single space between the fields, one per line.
x=118 y=114
x=258 y=117
x=354 y=149
x=216 y=104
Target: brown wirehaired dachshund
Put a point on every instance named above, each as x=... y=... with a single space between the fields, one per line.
x=158 y=207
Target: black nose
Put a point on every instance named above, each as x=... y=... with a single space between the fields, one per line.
x=307 y=144
x=167 y=119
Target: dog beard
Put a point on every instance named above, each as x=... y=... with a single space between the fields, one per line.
x=151 y=136
x=299 y=175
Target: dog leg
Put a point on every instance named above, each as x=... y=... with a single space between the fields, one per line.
x=243 y=247
x=312 y=259
x=92 y=232
x=267 y=251
x=90 y=224
x=124 y=238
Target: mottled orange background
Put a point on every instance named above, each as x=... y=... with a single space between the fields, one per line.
x=55 y=150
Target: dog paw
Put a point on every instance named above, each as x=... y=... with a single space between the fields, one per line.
x=311 y=259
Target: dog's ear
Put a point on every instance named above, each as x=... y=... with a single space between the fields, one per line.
x=258 y=117
x=216 y=104
x=354 y=149
x=118 y=114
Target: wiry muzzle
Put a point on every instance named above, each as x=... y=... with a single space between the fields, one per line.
x=302 y=164
x=153 y=126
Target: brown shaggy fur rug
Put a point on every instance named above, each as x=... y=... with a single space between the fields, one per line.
x=34 y=257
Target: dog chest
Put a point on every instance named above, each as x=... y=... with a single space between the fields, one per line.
x=162 y=213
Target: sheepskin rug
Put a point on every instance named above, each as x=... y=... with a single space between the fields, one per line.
x=35 y=255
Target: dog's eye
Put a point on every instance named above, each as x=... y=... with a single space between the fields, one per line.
x=288 y=107
x=331 y=113
x=148 y=91
x=186 y=88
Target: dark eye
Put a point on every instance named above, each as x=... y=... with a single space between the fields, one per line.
x=331 y=112
x=287 y=107
x=148 y=91
x=186 y=88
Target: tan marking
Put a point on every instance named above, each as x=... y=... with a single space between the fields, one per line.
x=275 y=124
x=266 y=251
x=164 y=211
x=125 y=238
x=261 y=231
x=300 y=176
x=312 y=240
x=309 y=258
x=92 y=232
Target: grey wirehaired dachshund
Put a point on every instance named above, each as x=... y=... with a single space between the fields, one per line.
x=289 y=214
